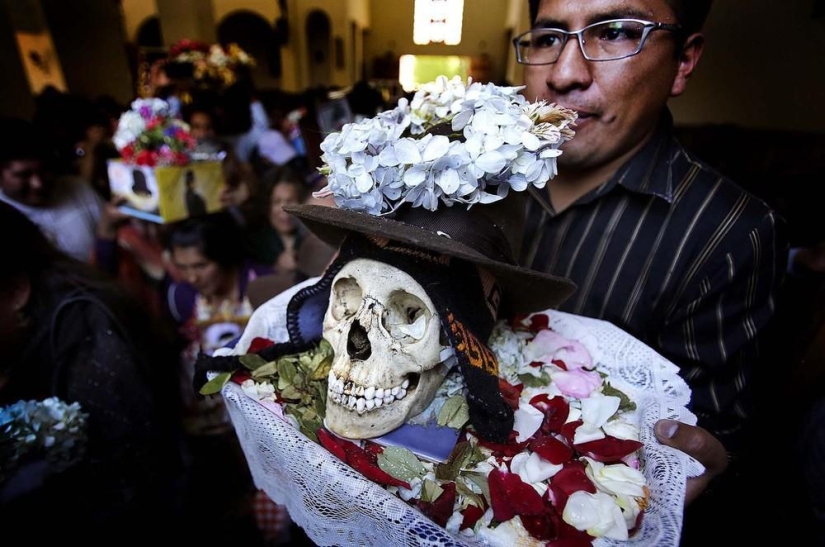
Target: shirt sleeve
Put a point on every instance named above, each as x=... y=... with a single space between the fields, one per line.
x=717 y=330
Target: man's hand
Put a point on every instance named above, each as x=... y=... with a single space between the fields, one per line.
x=110 y=218
x=698 y=443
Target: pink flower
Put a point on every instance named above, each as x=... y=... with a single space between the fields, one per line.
x=577 y=383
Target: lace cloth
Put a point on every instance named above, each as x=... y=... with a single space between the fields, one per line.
x=336 y=505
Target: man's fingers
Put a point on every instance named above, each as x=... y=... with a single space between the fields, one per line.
x=694 y=441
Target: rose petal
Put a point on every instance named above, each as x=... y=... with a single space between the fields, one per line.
x=510 y=496
x=555 y=411
x=551 y=449
x=609 y=449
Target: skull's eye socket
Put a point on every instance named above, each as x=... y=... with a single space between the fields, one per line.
x=406 y=316
x=346 y=298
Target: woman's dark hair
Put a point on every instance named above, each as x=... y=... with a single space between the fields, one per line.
x=691 y=14
x=216 y=236
x=31 y=255
x=54 y=275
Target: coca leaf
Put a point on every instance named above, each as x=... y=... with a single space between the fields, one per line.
x=252 y=361
x=215 y=385
x=401 y=463
x=454 y=413
x=449 y=470
x=625 y=404
x=535 y=381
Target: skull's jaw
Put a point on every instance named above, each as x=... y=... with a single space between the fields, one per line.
x=363 y=412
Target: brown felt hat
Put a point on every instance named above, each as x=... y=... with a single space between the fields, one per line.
x=488 y=235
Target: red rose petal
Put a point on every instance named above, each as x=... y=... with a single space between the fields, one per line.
x=556 y=411
x=568 y=430
x=571 y=478
x=552 y=450
x=331 y=443
x=240 y=376
x=441 y=509
x=471 y=515
x=608 y=450
x=539 y=322
x=510 y=496
x=362 y=462
x=259 y=343
x=559 y=363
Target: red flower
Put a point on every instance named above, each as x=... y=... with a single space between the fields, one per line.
x=147 y=157
x=510 y=496
x=571 y=478
x=552 y=450
x=471 y=515
x=608 y=450
x=258 y=343
x=555 y=411
x=441 y=509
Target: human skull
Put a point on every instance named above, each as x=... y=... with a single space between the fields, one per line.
x=385 y=333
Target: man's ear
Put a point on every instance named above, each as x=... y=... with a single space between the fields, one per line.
x=688 y=59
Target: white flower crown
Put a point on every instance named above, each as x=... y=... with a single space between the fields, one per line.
x=450 y=144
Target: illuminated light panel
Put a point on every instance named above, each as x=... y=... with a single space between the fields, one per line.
x=438 y=21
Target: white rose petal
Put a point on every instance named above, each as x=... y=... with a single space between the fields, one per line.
x=597 y=514
x=528 y=420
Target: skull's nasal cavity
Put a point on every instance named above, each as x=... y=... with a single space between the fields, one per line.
x=358 y=344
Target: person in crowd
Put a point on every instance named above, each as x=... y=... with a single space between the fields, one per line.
x=68 y=332
x=283 y=241
x=658 y=243
x=273 y=148
x=210 y=307
x=68 y=211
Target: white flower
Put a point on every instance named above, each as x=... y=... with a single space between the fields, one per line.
x=597 y=514
x=533 y=469
x=616 y=479
x=453 y=143
x=528 y=420
x=129 y=127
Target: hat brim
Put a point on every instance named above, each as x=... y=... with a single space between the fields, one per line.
x=524 y=290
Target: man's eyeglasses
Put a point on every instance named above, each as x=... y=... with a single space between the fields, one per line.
x=602 y=41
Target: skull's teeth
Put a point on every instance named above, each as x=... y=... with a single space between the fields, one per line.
x=363 y=399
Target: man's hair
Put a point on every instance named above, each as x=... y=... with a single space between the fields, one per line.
x=23 y=142
x=691 y=14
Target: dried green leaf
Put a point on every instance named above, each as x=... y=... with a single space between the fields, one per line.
x=269 y=369
x=430 y=491
x=289 y=392
x=215 y=385
x=529 y=380
x=401 y=463
x=476 y=457
x=252 y=361
x=287 y=369
x=455 y=412
x=470 y=497
x=625 y=404
x=449 y=470
x=480 y=480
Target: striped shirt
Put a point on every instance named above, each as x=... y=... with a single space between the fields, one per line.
x=678 y=256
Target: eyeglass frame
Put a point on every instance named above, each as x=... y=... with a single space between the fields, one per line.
x=649 y=26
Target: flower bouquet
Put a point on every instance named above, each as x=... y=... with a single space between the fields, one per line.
x=156 y=177
x=45 y=437
x=453 y=143
x=208 y=66
x=582 y=465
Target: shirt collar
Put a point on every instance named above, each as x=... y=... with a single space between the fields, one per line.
x=650 y=170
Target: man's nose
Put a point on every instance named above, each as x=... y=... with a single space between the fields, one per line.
x=571 y=70
x=36 y=182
